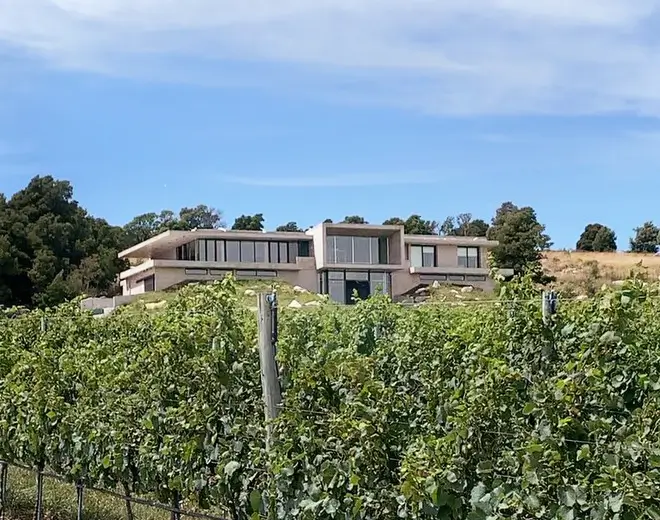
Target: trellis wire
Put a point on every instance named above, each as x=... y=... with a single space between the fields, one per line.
x=175 y=510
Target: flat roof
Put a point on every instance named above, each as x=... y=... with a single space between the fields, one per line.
x=172 y=239
x=449 y=240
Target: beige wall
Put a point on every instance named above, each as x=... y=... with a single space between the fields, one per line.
x=404 y=281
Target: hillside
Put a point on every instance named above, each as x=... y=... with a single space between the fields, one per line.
x=584 y=273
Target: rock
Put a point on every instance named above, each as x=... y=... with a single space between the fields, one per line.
x=313 y=304
x=155 y=305
x=436 y=284
x=295 y=304
x=250 y=292
x=422 y=291
x=467 y=289
x=253 y=309
x=300 y=290
x=618 y=283
x=582 y=297
x=454 y=291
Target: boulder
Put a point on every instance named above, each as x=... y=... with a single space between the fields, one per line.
x=618 y=283
x=436 y=284
x=250 y=292
x=300 y=290
x=313 y=304
x=467 y=289
x=295 y=304
x=582 y=298
x=155 y=305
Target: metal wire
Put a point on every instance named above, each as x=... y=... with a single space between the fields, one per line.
x=136 y=500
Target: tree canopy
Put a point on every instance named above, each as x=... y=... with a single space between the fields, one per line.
x=51 y=249
x=521 y=238
x=596 y=237
x=249 y=223
x=354 y=219
x=463 y=226
x=289 y=227
x=645 y=239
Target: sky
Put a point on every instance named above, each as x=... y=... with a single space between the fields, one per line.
x=306 y=110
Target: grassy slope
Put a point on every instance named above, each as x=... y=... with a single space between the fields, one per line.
x=584 y=273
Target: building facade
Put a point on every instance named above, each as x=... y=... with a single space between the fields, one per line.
x=333 y=259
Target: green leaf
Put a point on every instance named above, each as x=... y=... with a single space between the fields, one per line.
x=567 y=496
x=231 y=467
x=584 y=452
x=255 y=501
x=616 y=503
x=529 y=408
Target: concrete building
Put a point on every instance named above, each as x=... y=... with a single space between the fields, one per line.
x=333 y=259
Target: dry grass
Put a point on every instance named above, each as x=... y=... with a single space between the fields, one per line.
x=585 y=273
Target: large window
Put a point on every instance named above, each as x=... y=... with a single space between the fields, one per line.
x=261 y=251
x=422 y=256
x=468 y=257
x=356 y=250
x=339 y=285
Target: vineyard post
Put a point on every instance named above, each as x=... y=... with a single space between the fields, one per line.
x=269 y=373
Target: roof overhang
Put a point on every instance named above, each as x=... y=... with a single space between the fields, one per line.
x=361 y=230
x=169 y=240
x=429 y=240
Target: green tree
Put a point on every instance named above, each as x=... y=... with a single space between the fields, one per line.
x=414 y=225
x=48 y=240
x=354 y=219
x=199 y=217
x=606 y=239
x=646 y=238
x=462 y=225
x=289 y=227
x=521 y=238
x=327 y=221
x=249 y=222
x=394 y=221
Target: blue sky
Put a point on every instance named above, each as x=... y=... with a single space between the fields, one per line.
x=311 y=110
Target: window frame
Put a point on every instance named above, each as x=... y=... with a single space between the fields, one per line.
x=467 y=257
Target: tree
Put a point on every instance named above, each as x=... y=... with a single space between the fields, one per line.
x=394 y=221
x=607 y=241
x=646 y=238
x=354 y=219
x=290 y=227
x=327 y=221
x=416 y=225
x=249 y=222
x=49 y=243
x=462 y=225
x=521 y=238
x=148 y=225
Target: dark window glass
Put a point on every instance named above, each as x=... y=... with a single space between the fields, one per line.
x=247 y=251
x=303 y=248
x=284 y=253
x=274 y=252
x=210 y=251
x=220 y=251
x=382 y=250
x=293 y=252
x=361 y=250
x=150 y=284
x=261 y=251
x=233 y=251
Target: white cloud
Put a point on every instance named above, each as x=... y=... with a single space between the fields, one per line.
x=331 y=181
x=443 y=56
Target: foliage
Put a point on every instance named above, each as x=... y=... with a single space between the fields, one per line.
x=414 y=225
x=249 y=222
x=462 y=225
x=521 y=238
x=439 y=411
x=596 y=237
x=354 y=219
x=646 y=238
x=51 y=249
x=290 y=227
x=145 y=226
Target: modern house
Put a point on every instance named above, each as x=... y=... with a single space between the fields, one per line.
x=333 y=259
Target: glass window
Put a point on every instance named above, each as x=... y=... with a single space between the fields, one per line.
x=344 y=250
x=337 y=290
x=266 y=274
x=416 y=259
x=336 y=275
x=219 y=250
x=468 y=257
x=383 y=250
x=233 y=251
x=261 y=251
x=303 y=248
x=293 y=252
x=200 y=246
x=284 y=253
x=274 y=252
x=210 y=251
x=357 y=275
x=361 y=250
x=149 y=283
x=330 y=256
x=247 y=251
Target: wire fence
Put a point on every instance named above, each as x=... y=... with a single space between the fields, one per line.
x=8 y=499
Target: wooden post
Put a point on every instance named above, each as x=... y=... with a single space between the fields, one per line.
x=269 y=375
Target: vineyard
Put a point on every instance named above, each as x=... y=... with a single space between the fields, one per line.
x=473 y=411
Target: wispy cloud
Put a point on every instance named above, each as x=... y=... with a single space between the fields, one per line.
x=332 y=181
x=465 y=57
